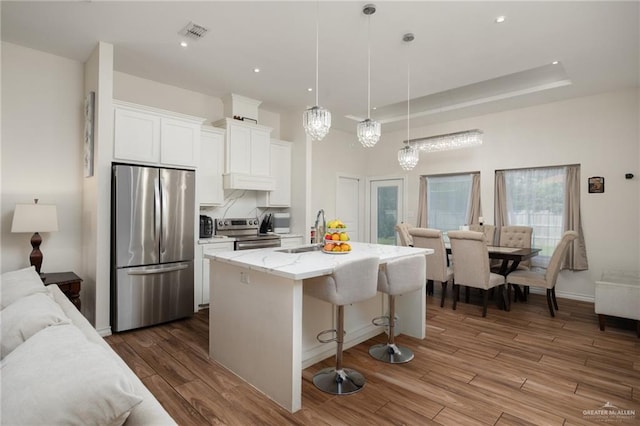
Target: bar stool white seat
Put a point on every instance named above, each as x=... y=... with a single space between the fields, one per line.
x=350 y=282
x=395 y=278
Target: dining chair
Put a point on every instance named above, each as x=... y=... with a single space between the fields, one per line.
x=403 y=233
x=437 y=269
x=489 y=232
x=471 y=266
x=546 y=279
x=516 y=237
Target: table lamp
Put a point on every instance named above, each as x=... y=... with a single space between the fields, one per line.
x=35 y=218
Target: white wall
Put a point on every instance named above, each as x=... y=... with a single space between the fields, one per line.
x=338 y=153
x=42 y=119
x=598 y=132
x=42 y=122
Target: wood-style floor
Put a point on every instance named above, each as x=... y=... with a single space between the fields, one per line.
x=511 y=368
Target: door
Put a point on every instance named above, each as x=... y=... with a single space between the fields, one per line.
x=348 y=205
x=150 y=295
x=177 y=193
x=386 y=209
x=136 y=214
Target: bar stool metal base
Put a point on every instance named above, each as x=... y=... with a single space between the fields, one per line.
x=339 y=382
x=391 y=353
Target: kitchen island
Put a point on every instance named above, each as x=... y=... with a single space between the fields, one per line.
x=263 y=328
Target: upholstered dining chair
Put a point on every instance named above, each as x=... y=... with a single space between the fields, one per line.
x=516 y=237
x=547 y=279
x=489 y=232
x=437 y=269
x=471 y=265
x=403 y=233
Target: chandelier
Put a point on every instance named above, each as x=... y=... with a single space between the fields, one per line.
x=316 y=120
x=449 y=141
x=368 y=130
x=408 y=156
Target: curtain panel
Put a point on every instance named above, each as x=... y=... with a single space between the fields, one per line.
x=576 y=258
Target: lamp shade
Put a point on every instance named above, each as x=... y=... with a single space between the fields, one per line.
x=35 y=218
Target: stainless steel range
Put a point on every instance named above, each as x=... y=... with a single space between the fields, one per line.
x=245 y=231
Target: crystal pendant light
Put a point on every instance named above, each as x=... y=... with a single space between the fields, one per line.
x=408 y=155
x=368 y=130
x=316 y=120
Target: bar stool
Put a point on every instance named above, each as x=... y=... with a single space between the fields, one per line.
x=397 y=277
x=350 y=282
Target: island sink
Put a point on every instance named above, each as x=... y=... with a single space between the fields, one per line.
x=300 y=249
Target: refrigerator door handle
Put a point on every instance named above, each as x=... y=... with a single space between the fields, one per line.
x=156 y=215
x=148 y=271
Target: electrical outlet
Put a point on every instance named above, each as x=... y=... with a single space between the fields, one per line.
x=244 y=277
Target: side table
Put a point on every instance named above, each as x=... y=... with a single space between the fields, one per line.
x=68 y=282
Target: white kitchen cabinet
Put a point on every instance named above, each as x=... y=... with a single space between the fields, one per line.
x=179 y=142
x=247 y=153
x=202 y=269
x=136 y=136
x=291 y=240
x=280 y=169
x=150 y=135
x=210 y=190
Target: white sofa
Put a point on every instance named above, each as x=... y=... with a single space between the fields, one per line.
x=618 y=295
x=56 y=369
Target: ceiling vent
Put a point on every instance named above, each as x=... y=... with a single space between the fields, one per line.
x=193 y=31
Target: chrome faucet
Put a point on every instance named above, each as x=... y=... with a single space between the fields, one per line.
x=320 y=231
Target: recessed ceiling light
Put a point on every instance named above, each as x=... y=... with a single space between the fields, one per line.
x=374 y=108
x=500 y=19
x=310 y=89
x=183 y=44
x=555 y=62
x=256 y=70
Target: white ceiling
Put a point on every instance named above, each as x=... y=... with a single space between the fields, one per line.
x=462 y=62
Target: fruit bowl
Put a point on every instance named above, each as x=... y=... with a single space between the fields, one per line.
x=336 y=247
x=336 y=252
x=332 y=230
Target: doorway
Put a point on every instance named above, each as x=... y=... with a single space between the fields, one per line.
x=349 y=207
x=386 y=209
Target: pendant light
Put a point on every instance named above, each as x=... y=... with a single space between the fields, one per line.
x=316 y=120
x=408 y=156
x=368 y=130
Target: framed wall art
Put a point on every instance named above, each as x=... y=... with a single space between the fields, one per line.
x=596 y=184
x=89 y=109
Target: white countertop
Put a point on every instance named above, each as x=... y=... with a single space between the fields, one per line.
x=216 y=239
x=299 y=266
x=288 y=235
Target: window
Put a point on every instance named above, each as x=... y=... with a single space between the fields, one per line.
x=536 y=198
x=448 y=200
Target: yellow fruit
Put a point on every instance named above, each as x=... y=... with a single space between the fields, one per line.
x=344 y=236
x=335 y=237
x=345 y=247
x=337 y=248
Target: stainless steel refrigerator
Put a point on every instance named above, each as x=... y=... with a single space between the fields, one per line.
x=152 y=245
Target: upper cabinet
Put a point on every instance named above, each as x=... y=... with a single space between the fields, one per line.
x=247 y=156
x=209 y=181
x=280 y=153
x=150 y=135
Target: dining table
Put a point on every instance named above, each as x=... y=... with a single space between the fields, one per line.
x=511 y=258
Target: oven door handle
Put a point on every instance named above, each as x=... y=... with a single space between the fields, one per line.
x=246 y=245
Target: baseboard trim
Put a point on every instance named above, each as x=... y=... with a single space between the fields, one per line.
x=565 y=295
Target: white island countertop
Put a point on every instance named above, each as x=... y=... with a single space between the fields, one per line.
x=299 y=266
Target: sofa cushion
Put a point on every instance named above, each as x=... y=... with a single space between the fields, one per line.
x=58 y=377
x=17 y=284
x=25 y=317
